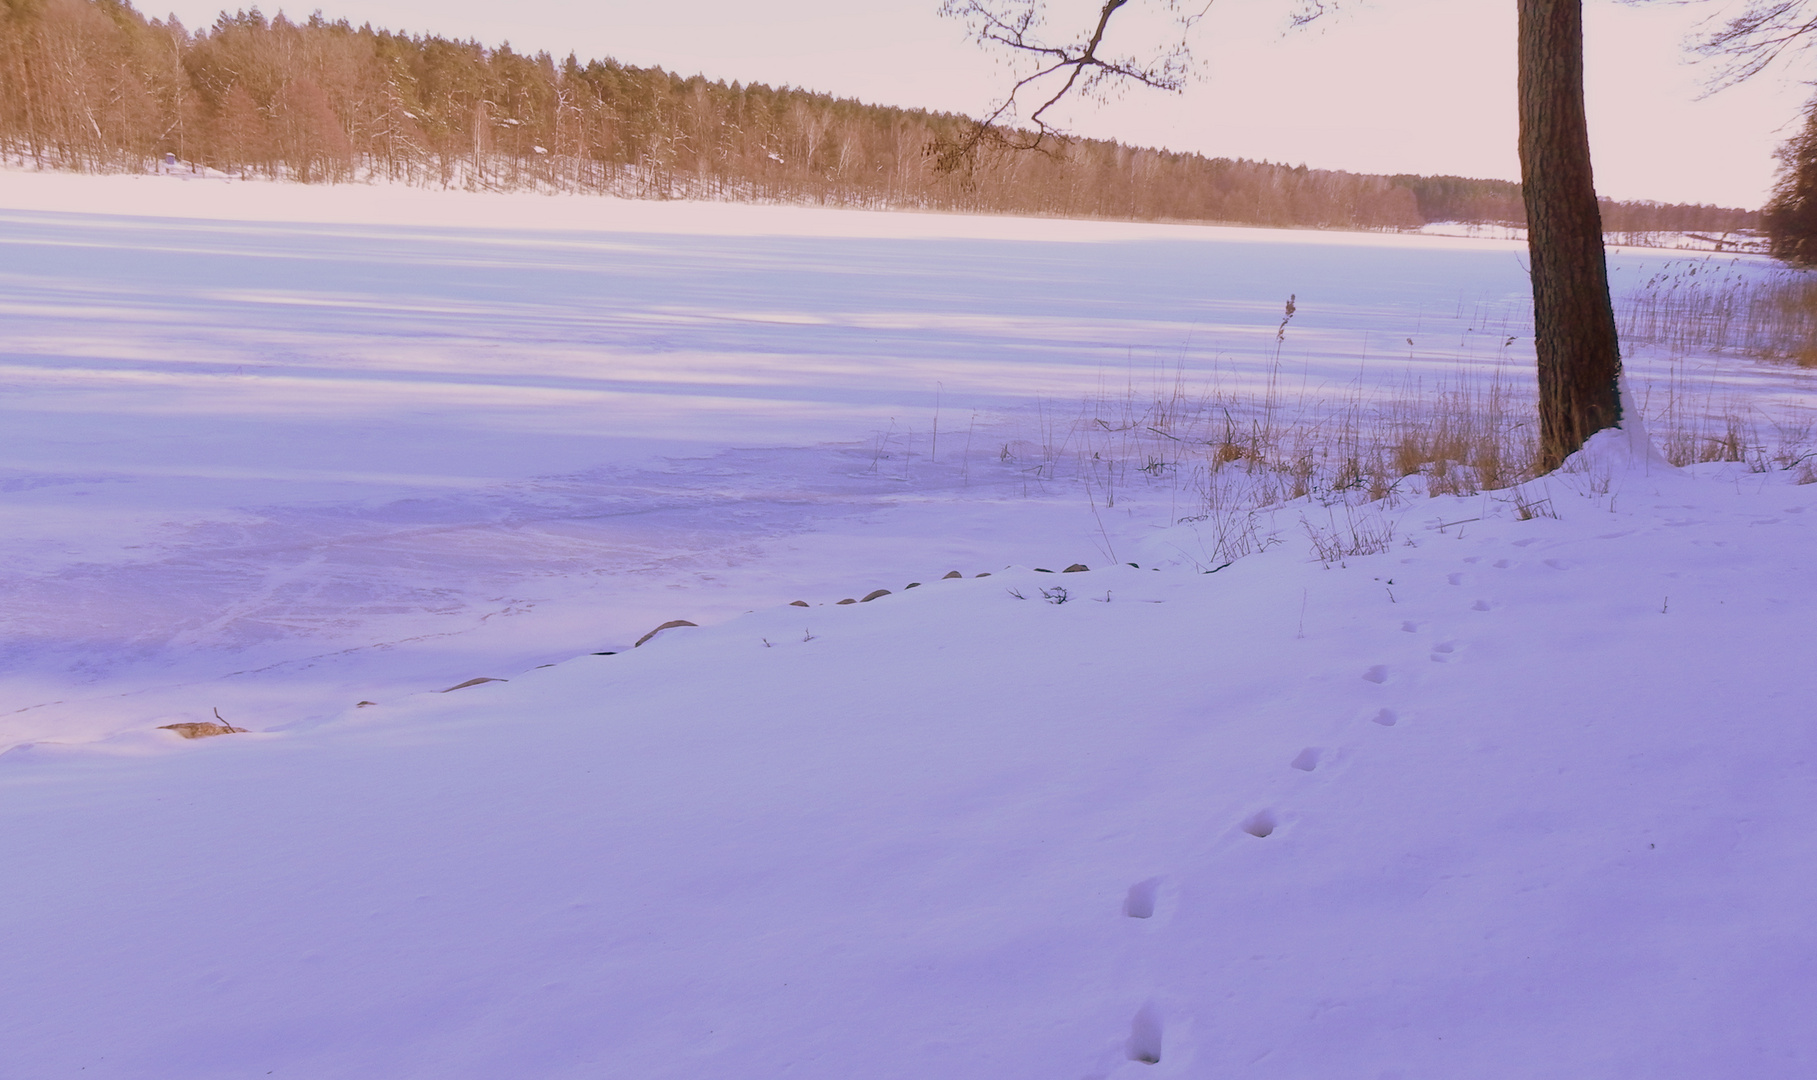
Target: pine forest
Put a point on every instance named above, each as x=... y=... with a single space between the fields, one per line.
x=93 y=85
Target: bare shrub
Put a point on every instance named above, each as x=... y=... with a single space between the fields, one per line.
x=1359 y=533
x=1528 y=506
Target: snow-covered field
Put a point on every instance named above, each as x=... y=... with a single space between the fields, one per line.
x=1525 y=793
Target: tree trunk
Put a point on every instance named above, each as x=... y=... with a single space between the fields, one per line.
x=1573 y=320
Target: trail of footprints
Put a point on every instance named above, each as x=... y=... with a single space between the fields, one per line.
x=1145 y=1041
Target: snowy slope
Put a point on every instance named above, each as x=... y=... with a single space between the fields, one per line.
x=1537 y=798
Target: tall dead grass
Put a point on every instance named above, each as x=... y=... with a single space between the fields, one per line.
x=1224 y=460
x=1712 y=308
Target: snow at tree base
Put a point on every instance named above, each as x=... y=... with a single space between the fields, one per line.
x=1527 y=791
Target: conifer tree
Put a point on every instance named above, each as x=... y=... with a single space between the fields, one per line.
x=1790 y=218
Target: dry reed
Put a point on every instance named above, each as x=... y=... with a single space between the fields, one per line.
x=1698 y=306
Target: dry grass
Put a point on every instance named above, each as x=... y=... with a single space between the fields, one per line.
x=1359 y=533
x=1224 y=460
x=1699 y=306
x=202 y=729
x=1457 y=438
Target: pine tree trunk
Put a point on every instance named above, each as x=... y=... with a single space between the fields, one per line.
x=1573 y=320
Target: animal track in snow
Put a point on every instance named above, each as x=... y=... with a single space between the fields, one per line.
x=1145 y=1035
x=1308 y=759
x=1457 y=579
x=1386 y=718
x=1260 y=824
x=1140 y=903
x=1482 y=605
x=1504 y=564
x=1410 y=627
x=1377 y=674
x=1444 y=651
x=1558 y=564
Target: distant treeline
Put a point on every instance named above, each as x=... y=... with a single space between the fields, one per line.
x=95 y=86
x=1454 y=198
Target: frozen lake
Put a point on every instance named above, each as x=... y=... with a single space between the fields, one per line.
x=273 y=450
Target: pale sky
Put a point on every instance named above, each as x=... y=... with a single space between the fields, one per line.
x=1387 y=86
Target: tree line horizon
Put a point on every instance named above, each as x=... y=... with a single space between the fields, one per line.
x=93 y=85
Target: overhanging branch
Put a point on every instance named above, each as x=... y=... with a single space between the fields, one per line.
x=1063 y=68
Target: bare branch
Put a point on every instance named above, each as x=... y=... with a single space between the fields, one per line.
x=1064 y=68
x=1311 y=10
x=1745 y=45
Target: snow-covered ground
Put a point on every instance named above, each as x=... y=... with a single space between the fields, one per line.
x=1513 y=798
x=1527 y=791
x=1748 y=242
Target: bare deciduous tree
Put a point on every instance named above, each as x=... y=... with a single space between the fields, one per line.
x=1746 y=44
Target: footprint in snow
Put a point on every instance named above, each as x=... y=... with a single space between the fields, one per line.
x=1308 y=759
x=1386 y=718
x=1377 y=674
x=1140 y=903
x=1261 y=824
x=1558 y=564
x=1482 y=605
x=1144 y=1043
x=1410 y=627
x=1457 y=579
x=1443 y=652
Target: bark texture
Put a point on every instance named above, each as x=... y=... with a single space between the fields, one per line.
x=1574 y=322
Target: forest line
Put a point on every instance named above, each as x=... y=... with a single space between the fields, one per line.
x=93 y=85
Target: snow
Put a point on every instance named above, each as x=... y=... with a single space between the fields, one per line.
x=1748 y=241
x=1526 y=792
